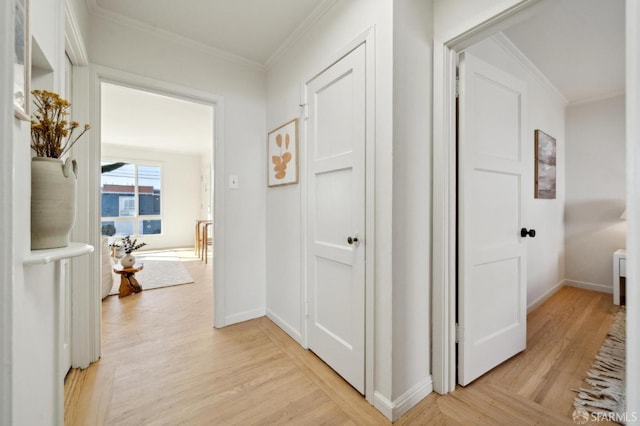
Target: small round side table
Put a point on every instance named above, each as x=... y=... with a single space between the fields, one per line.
x=128 y=283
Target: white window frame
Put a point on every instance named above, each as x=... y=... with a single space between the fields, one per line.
x=136 y=217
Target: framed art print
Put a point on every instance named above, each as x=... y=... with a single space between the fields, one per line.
x=545 y=166
x=282 y=153
x=21 y=60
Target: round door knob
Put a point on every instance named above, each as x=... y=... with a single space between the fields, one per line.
x=527 y=233
x=352 y=240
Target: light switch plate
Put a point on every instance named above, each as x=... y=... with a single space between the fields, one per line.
x=233 y=182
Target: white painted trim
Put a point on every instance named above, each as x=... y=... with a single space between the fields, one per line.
x=244 y=316
x=512 y=50
x=383 y=405
x=444 y=194
x=411 y=397
x=597 y=98
x=589 y=286
x=444 y=221
x=633 y=207
x=546 y=295
x=126 y=21
x=368 y=39
x=393 y=410
x=74 y=43
x=288 y=328
x=318 y=12
x=7 y=255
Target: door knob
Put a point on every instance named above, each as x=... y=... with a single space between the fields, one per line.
x=524 y=233
x=353 y=239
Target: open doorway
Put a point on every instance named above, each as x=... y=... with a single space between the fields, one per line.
x=156 y=184
x=548 y=114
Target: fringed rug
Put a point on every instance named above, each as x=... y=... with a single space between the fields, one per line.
x=606 y=398
x=161 y=269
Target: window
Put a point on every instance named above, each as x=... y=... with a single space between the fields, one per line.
x=131 y=196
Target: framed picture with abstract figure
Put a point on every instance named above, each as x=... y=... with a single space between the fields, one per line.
x=21 y=60
x=545 y=166
x=282 y=152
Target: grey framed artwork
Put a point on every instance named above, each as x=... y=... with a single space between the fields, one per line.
x=21 y=60
x=545 y=166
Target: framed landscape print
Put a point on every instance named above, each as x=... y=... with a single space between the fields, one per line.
x=21 y=60
x=282 y=154
x=545 y=166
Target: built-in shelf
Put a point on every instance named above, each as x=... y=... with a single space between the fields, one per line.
x=40 y=257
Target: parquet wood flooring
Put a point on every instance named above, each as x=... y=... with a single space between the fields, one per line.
x=164 y=364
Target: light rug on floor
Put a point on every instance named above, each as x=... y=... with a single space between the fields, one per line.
x=161 y=269
x=606 y=398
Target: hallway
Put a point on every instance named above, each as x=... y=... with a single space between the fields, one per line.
x=163 y=364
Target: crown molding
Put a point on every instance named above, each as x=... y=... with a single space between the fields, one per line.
x=300 y=30
x=507 y=45
x=597 y=98
x=97 y=11
x=73 y=40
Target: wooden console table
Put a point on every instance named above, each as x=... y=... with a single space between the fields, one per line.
x=128 y=283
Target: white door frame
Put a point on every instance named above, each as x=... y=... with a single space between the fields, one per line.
x=633 y=208
x=445 y=54
x=367 y=38
x=87 y=308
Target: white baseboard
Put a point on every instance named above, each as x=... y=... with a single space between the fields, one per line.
x=243 y=316
x=547 y=294
x=285 y=326
x=589 y=286
x=394 y=410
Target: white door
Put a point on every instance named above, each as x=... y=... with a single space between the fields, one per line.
x=492 y=185
x=336 y=216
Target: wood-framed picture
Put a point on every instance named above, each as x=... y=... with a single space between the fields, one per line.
x=282 y=154
x=21 y=60
x=545 y=166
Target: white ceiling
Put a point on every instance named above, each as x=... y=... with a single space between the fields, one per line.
x=251 y=29
x=151 y=121
x=577 y=44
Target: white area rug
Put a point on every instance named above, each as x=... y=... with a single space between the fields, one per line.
x=161 y=269
x=606 y=398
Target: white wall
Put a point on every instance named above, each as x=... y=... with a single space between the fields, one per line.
x=312 y=52
x=145 y=52
x=453 y=17
x=180 y=197
x=595 y=191
x=402 y=188
x=35 y=381
x=546 y=111
x=8 y=127
x=412 y=65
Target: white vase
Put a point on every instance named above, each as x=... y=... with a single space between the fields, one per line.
x=53 y=201
x=128 y=260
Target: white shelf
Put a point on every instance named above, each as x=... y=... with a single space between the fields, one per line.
x=41 y=257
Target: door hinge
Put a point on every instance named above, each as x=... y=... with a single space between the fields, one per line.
x=458 y=334
x=306 y=309
x=457 y=86
x=305 y=115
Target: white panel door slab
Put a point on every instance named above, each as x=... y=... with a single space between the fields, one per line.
x=336 y=216
x=491 y=252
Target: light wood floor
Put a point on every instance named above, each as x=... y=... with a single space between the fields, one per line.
x=163 y=364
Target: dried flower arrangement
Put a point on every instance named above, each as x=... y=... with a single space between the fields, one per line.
x=51 y=133
x=127 y=245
